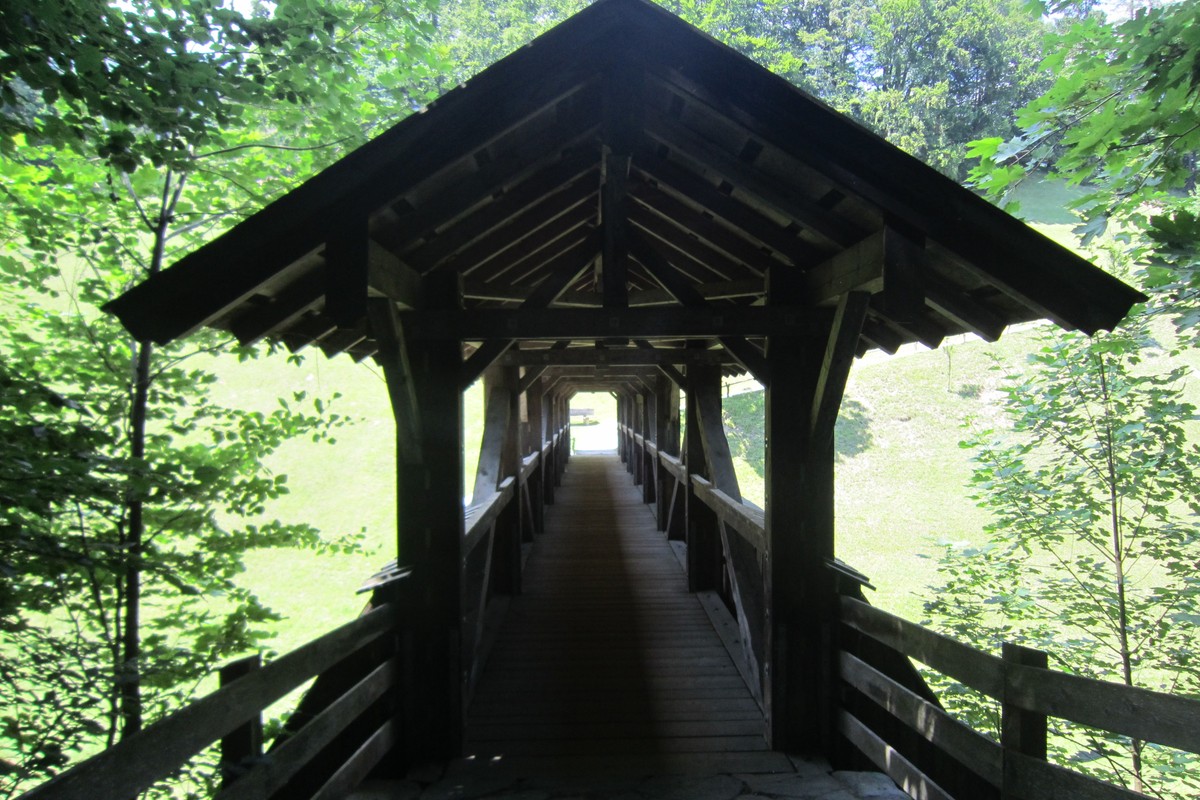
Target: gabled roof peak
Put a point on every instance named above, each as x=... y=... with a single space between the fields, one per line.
x=626 y=160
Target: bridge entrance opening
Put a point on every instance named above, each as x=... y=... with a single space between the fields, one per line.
x=594 y=423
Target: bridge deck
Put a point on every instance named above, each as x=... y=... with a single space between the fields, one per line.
x=606 y=655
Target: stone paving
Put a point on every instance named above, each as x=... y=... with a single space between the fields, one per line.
x=812 y=779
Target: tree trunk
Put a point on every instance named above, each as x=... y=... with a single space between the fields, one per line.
x=131 y=645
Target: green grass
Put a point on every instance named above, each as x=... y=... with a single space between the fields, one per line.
x=900 y=472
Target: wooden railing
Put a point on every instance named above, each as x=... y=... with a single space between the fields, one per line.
x=354 y=714
x=1029 y=692
x=888 y=713
x=356 y=722
x=497 y=531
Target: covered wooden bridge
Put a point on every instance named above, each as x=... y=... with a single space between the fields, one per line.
x=624 y=205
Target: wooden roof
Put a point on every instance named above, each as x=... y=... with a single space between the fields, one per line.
x=625 y=178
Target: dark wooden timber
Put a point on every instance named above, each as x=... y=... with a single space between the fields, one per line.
x=799 y=532
x=430 y=530
x=243 y=746
x=1022 y=733
x=137 y=762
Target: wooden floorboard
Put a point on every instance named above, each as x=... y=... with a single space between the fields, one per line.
x=606 y=653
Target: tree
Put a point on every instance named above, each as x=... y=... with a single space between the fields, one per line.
x=1094 y=489
x=944 y=73
x=929 y=75
x=1094 y=484
x=1122 y=118
x=130 y=132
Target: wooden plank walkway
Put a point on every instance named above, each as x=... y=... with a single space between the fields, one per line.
x=606 y=655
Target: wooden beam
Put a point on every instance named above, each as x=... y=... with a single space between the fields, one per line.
x=536 y=228
x=703 y=547
x=717 y=236
x=514 y=263
x=531 y=379
x=346 y=271
x=717 y=456
x=391 y=277
x=966 y=311
x=690 y=186
x=397 y=371
x=743 y=351
x=491 y=450
x=554 y=181
x=835 y=366
x=717 y=290
x=703 y=263
x=675 y=375
x=857 y=268
x=615 y=356
x=676 y=135
x=903 y=276
x=564 y=270
x=879 y=335
x=585 y=323
x=296 y=299
x=572 y=132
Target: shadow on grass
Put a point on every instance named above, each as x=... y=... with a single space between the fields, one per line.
x=745 y=427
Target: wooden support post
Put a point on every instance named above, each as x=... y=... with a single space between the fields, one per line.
x=241 y=748
x=649 y=462
x=622 y=421
x=430 y=531
x=535 y=442
x=704 y=550
x=499 y=458
x=1021 y=731
x=666 y=436
x=799 y=587
x=550 y=402
x=638 y=428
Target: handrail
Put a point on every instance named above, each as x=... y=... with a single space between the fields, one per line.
x=297 y=751
x=1138 y=713
x=528 y=465
x=1127 y=710
x=135 y=764
x=748 y=522
x=481 y=515
x=674 y=466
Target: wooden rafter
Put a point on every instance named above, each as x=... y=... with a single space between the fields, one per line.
x=743 y=351
x=562 y=272
x=393 y=358
x=554 y=185
x=835 y=367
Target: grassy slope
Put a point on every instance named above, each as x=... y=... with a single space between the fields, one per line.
x=900 y=471
x=344 y=488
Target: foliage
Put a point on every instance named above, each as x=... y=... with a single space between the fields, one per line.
x=930 y=75
x=1122 y=119
x=1091 y=554
x=122 y=593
